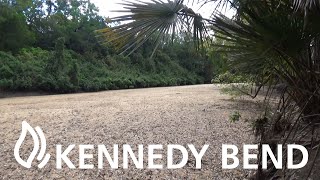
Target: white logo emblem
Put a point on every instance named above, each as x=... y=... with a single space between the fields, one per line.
x=34 y=133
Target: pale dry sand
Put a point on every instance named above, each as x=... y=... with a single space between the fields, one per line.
x=172 y=115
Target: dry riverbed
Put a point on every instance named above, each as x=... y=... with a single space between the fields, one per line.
x=184 y=115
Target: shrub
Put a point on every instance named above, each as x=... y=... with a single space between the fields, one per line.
x=6 y=84
x=235 y=116
x=228 y=77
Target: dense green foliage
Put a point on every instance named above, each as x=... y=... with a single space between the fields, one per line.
x=54 y=47
x=37 y=69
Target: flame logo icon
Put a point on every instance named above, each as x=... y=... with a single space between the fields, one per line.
x=34 y=133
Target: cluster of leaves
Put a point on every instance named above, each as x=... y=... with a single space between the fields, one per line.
x=235 y=116
x=236 y=89
x=142 y=20
x=229 y=77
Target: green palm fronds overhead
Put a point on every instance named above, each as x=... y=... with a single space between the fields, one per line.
x=306 y=4
x=157 y=19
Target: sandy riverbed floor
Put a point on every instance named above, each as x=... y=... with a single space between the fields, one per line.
x=172 y=115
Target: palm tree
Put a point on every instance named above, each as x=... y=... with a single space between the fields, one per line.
x=274 y=40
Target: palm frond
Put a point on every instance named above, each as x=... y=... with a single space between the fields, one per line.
x=270 y=38
x=157 y=19
x=306 y=5
x=310 y=10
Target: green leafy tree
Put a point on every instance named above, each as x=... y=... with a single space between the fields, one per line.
x=14 y=32
x=74 y=75
x=57 y=64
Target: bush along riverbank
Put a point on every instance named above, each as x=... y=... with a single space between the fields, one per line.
x=34 y=69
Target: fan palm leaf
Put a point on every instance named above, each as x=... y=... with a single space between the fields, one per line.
x=155 y=19
x=306 y=5
x=270 y=39
x=310 y=10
